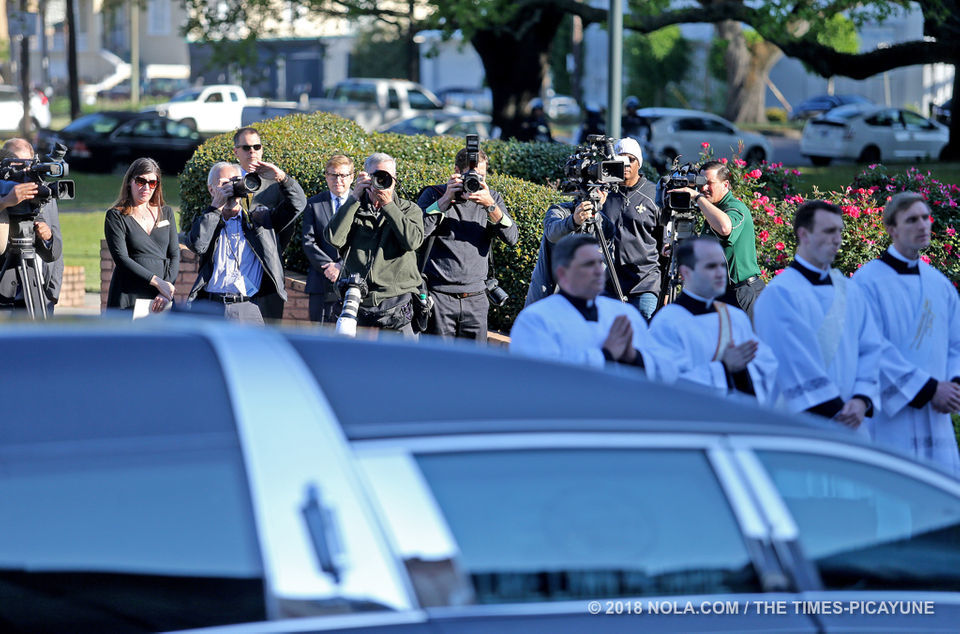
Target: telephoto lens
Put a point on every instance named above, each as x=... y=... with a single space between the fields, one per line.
x=354 y=290
x=381 y=179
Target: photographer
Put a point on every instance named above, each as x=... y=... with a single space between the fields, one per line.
x=728 y=219
x=638 y=233
x=279 y=195
x=378 y=234
x=463 y=226
x=561 y=220
x=239 y=249
x=48 y=242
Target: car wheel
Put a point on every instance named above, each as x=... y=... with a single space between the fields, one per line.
x=190 y=123
x=755 y=155
x=870 y=154
x=820 y=161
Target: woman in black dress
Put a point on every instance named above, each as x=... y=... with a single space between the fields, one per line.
x=141 y=234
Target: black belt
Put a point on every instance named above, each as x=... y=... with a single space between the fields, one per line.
x=462 y=295
x=749 y=280
x=229 y=298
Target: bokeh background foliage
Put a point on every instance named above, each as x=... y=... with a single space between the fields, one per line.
x=301 y=145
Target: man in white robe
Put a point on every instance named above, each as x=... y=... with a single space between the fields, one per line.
x=712 y=342
x=819 y=326
x=578 y=325
x=917 y=310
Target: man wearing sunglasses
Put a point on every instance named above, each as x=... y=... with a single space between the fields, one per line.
x=48 y=242
x=276 y=204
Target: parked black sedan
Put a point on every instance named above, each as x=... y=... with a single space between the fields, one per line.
x=111 y=140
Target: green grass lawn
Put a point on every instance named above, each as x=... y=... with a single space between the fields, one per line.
x=837 y=176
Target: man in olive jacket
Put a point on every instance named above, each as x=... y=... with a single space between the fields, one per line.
x=378 y=234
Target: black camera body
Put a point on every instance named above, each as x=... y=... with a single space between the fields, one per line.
x=496 y=295
x=36 y=171
x=594 y=165
x=245 y=185
x=686 y=176
x=381 y=179
x=471 y=180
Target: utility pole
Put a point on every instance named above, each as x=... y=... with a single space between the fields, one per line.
x=26 y=125
x=73 y=79
x=615 y=68
x=135 y=52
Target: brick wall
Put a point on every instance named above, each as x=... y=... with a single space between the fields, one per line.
x=72 y=290
x=295 y=311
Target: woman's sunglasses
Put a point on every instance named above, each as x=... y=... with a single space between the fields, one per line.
x=141 y=181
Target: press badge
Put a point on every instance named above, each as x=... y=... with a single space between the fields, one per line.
x=163 y=223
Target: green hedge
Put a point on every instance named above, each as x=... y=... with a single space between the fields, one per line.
x=301 y=145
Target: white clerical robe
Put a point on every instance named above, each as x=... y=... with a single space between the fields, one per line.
x=818 y=363
x=553 y=328
x=920 y=316
x=692 y=341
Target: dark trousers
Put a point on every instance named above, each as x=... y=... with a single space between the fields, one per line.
x=322 y=311
x=744 y=295
x=459 y=317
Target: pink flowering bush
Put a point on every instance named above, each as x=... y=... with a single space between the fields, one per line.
x=771 y=193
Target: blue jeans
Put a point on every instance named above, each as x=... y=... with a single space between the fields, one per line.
x=646 y=303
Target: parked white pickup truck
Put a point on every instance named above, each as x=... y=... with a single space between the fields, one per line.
x=207 y=109
x=373 y=103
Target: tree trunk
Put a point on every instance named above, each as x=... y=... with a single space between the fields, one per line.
x=516 y=59
x=952 y=151
x=413 y=49
x=72 y=76
x=747 y=72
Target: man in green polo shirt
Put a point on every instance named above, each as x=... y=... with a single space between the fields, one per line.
x=730 y=221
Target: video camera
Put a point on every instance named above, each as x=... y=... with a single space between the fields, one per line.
x=34 y=170
x=595 y=165
x=679 y=177
x=471 y=180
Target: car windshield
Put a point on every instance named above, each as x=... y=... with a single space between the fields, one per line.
x=189 y=95
x=99 y=122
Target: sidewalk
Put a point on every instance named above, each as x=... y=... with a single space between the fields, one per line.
x=91 y=306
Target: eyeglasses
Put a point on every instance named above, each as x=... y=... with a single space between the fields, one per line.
x=141 y=182
x=339 y=176
x=246 y=148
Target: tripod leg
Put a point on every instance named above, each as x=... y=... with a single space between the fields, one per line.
x=30 y=277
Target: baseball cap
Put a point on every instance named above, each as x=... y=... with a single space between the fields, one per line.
x=629 y=145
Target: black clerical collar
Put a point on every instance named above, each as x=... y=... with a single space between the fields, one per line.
x=696 y=305
x=902 y=267
x=587 y=308
x=813 y=276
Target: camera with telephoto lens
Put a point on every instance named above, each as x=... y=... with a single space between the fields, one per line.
x=381 y=179
x=594 y=165
x=353 y=289
x=496 y=295
x=245 y=185
x=34 y=170
x=471 y=180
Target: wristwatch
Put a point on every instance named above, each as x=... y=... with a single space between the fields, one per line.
x=491 y=208
x=697 y=198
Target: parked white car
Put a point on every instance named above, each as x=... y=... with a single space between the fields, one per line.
x=207 y=109
x=677 y=132
x=871 y=135
x=11 y=109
